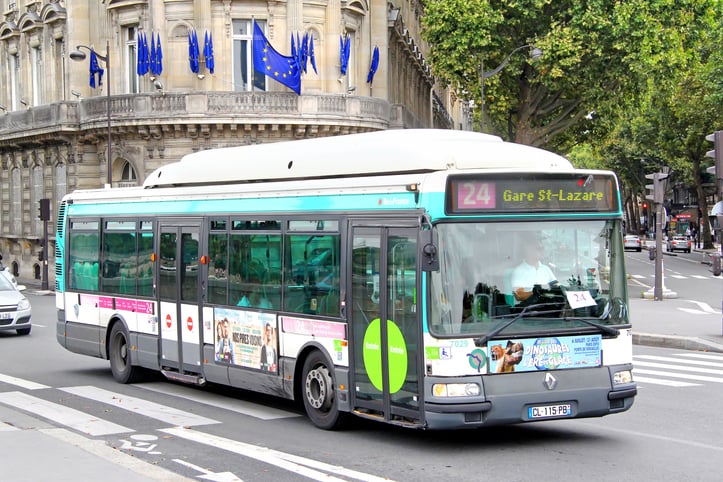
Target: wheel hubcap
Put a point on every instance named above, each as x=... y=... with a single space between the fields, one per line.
x=318 y=383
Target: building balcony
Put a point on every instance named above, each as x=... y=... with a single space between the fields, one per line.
x=150 y=115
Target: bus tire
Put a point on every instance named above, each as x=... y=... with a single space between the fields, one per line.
x=120 y=357
x=318 y=394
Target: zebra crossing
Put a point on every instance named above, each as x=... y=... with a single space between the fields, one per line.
x=679 y=370
x=40 y=401
x=93 y=425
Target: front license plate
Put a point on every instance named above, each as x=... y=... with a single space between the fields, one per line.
x=547 y=411
x=5 y=316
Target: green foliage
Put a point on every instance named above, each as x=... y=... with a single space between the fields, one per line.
x=602 y=60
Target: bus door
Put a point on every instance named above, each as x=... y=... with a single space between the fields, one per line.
x=387 y=357
x=179 y=291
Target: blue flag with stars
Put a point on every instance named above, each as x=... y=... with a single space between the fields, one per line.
x=272 y=64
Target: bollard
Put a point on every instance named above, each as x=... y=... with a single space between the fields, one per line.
x=716 y=264
x=651 y=253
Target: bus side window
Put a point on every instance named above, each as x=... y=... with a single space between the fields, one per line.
x=312 y=274
x=217 y=279
x=255 y=269
x=84 y=250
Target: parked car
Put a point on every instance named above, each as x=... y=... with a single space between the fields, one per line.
x=4 y=271
x=15 y=308
x=679 y=243
x=633 y=241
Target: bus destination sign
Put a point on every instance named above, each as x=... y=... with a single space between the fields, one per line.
x=531 y=193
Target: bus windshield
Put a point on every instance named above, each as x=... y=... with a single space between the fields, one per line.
x=559 y=276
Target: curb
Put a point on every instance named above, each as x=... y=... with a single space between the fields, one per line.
x=674 y=341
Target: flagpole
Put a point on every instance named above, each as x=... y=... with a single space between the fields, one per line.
x=78 y=55
x=108 y=111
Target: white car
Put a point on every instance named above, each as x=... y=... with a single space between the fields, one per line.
x=4 y=271
x=633 y=241
x=14 y=308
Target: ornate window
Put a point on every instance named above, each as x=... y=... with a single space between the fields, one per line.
x=243 y=69
x=128 y=176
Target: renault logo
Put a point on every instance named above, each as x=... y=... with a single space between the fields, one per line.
x=550 y=381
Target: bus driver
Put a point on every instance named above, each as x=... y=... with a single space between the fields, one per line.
x=530 y=272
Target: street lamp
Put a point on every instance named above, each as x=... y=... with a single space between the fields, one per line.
x=78 y=55
x=535 y=54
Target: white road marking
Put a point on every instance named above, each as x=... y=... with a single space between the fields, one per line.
x=692 y=311
x=19 y=382
x=312 y=469
x=704 y=307
x=680 y=368
x=702 y=356
x=208 y=475
x=700 y=378
x=140 y=407
x=676 y=360
x=100 y=449
x=231 y=404
x=75 y=419
x=667 y=383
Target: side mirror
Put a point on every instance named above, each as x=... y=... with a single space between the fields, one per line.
x=430 y=254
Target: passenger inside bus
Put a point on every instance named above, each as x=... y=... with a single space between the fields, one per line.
x=255 y=297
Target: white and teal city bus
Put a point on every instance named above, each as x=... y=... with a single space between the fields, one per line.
x=367 y=274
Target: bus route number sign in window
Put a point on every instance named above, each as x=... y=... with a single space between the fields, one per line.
x=531 y=193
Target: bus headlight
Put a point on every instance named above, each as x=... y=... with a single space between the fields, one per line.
x=622 y=377
x=456 y=389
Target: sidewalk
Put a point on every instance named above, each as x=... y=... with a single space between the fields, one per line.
x=677 y=323
x=35 y=450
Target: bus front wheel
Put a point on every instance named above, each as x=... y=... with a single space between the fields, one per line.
x=318 y=394
x=120 y=357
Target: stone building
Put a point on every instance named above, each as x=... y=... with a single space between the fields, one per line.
x=58 y=134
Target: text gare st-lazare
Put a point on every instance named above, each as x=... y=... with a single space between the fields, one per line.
x=549 y=195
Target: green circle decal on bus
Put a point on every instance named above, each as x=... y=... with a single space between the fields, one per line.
x=397 y=355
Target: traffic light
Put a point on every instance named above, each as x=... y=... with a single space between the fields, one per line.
x=645 y=206
x=44 y=210
x=717 y=153
x=41 y=255
x=657 y=189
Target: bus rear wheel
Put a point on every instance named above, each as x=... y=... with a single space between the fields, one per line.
x=318 y=394
x=120 y=357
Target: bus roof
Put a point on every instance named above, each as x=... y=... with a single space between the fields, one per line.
x=372 y=153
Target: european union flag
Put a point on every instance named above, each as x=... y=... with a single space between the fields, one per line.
x=271 y=63
x=344 y=53
x=193 y=51
x=142 y=51
x=159 y=56
x=208 y=52
x=311 y=53
x=374 y=65
x=95 y=70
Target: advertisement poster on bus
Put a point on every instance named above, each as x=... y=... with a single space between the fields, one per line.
x=547 y=353
x=246 y=338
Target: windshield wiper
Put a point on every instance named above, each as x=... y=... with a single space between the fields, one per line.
x=527 y=310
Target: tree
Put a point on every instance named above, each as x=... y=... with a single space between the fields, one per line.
x=598 y=57
x=667 y=124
